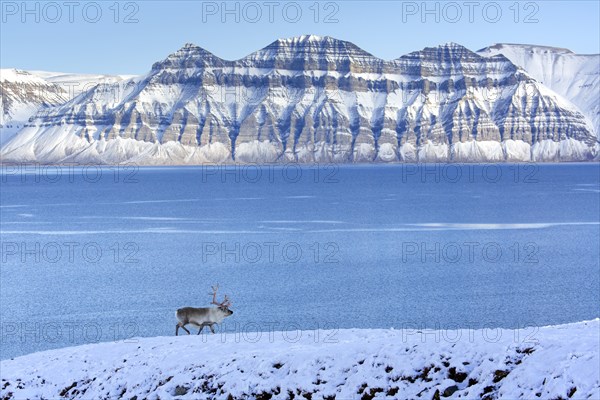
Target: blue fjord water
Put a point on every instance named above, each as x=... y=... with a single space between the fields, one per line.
x=99 y=254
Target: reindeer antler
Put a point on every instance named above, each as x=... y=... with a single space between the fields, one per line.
x=225 y=303
x=214 y=293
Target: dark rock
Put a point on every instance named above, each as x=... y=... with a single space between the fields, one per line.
x=180 y=390
x=456 y=376
x=450 y=390
x=487 y=389
x=66 y=390
x=527 y=350
x=500 y=374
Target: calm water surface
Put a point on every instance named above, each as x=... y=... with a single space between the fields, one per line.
x=102 y=254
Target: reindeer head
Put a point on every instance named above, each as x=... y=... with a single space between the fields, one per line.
x=224 y=305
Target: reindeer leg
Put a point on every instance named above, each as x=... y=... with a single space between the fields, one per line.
x=201 y=327
x=212 y=329
x=179 y=325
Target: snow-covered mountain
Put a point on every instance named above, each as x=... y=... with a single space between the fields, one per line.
x=558 y=362
x=313 y=99
x=576 y=77
x=23 y=93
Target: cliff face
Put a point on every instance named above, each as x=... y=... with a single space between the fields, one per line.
x=313 y=99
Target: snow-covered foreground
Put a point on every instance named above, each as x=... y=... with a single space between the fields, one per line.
x=548 y=363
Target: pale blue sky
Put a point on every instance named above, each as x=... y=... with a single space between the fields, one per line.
x=387 y=29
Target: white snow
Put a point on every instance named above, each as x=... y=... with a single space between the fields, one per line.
x=487 y=150
x=39 y=89
x=576 y=77
x=549 y=362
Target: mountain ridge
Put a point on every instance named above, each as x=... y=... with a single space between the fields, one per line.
x=314 y=99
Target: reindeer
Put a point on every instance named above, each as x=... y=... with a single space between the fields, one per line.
x=207 y=316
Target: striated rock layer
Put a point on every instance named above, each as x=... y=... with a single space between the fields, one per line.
x=313 y=99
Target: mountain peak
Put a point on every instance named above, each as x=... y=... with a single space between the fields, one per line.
x=190 y=45
x=314 y=52
x=304 y=39
x=452 y=45
x=188 y=56
x=313 y=45
x=315 y=41
x=455 y=48
x=529 y=47
x=190 y=48
x=18 y=75
x=449 y=51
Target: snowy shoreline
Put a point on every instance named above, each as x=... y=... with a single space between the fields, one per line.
x=549 y=362
x=75 y=166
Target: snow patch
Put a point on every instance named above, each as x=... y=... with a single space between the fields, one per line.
x=549 y=362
